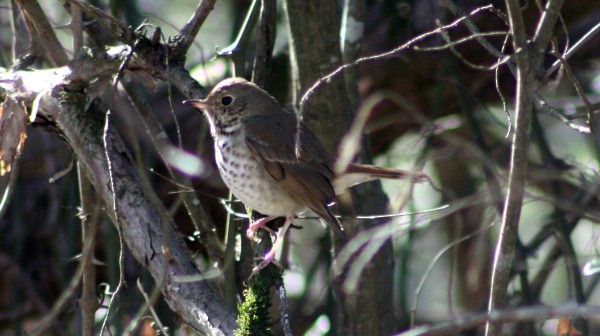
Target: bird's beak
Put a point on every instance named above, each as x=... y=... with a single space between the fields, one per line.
x=197 y=103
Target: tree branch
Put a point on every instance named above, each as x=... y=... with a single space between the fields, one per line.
x=146 y=228
x=188 y=33
x=34 y=13
x=501 y=316
x=527 y=61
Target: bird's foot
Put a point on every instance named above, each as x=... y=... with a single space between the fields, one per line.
x=258 y=224
x=268 y=259
x=270 y=256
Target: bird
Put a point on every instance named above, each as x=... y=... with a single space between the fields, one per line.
x=262 y=163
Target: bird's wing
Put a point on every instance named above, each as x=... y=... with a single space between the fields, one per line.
x=308 y=179
x=273 y=138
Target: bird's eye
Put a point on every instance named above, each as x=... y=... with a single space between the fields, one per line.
x=226 y=100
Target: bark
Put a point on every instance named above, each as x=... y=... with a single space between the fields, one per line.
x=315 y=52
x=146 y=228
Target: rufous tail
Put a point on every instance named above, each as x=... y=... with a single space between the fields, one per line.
x=356 y=174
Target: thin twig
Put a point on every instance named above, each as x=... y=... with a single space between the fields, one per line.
x=35 y=14
x=502 y=58
x=125 y=35
x=65 y=298
x=285 y=309
x=576 y=84
x=76 y=30
x=114 y=205
x=188 y=33
x=170 y=89
x=89 y=219
x=502 y=316
x=149 y=303
x=542 y=104
x=392 y=53
x=107 y=126
x=21 y=31
x=474 y=36
x=236 y=51
x=433 y=262
x=265 y=41
x=457 y=11
x=585 y=38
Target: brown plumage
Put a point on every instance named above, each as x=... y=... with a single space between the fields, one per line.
x=255 y=150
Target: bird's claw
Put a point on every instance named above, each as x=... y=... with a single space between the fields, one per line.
x=259 y=224
x=269 y=258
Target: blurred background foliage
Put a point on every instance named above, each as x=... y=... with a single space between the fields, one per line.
x=450 y=122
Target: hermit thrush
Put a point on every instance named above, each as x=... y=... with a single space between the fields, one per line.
x=255 y=151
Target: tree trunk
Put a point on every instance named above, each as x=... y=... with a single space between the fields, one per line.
x=315 y=52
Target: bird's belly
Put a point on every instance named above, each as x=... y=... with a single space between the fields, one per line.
x=251 y=183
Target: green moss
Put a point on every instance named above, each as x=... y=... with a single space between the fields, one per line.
x=253 y=318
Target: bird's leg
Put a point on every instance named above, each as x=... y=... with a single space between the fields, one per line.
x=261 y=223
x=270 y=256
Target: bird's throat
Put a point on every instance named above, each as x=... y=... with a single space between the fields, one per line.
x=227 y=128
